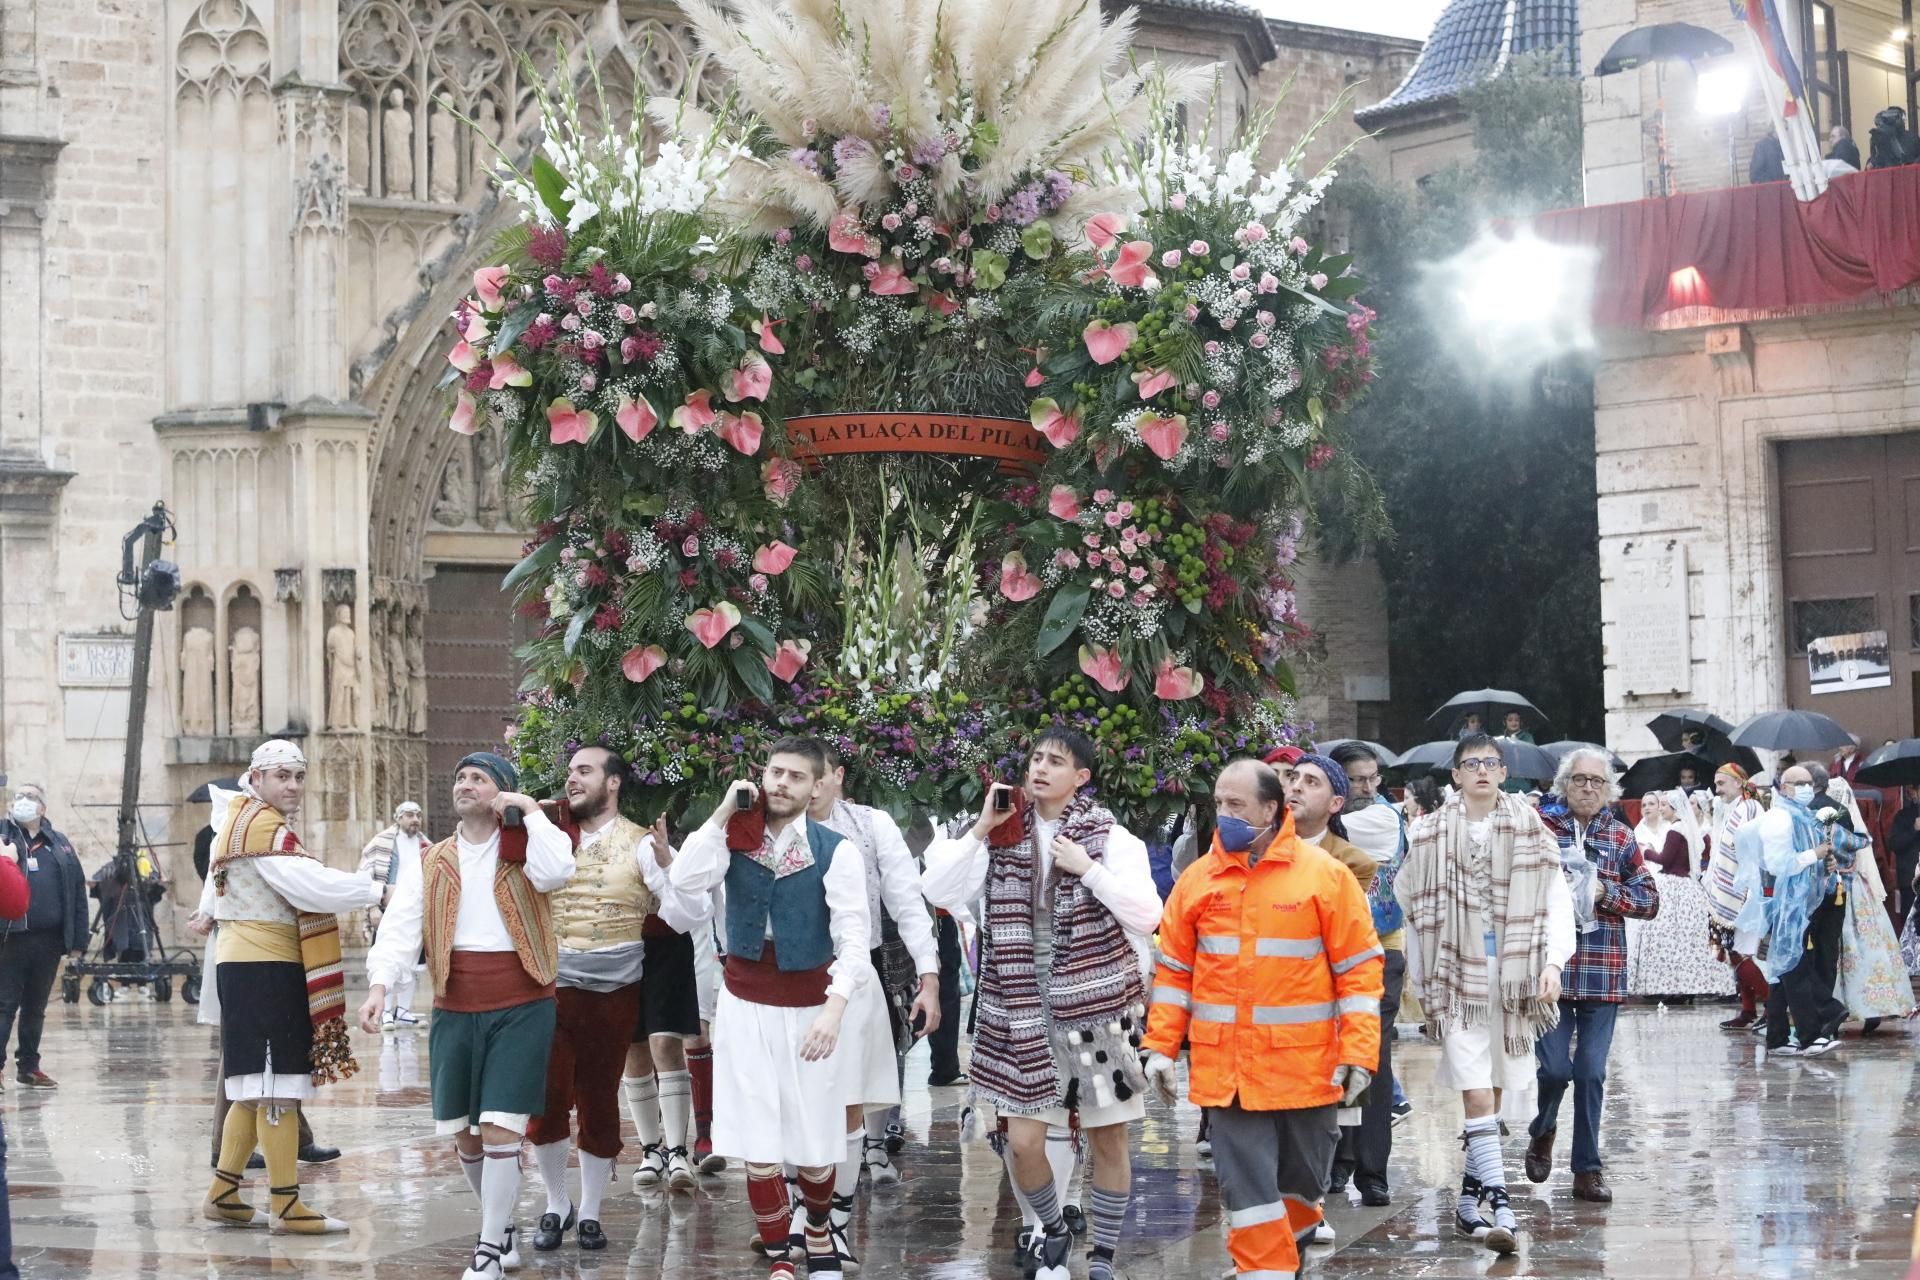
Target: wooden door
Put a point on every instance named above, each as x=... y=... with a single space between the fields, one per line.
x=472 y=675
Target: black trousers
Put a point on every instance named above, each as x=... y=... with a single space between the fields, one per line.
x=29 y=962
x=1806 y=991
x=1365 y=1148
x=944 y=1043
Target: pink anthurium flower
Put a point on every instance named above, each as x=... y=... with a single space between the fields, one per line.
x=1131 y=267
x=1104 y=668
x=636 y=418
x=787 y=660
x=1105 y=228
x=1017 y=582
x=1108 y=342
x=891 y=280
x=1153 y=381
x=1175 y=684
x=1055 y=424
x=940 y=302
x=696 y=414
x=752 y=380
x=846 y=235
x=779 y=477
x=473 y=325
x=710 y=626
x=463 y=357
x=773 y=558
x=769 y=340
x=486 y=283
x=570 y=425
x=1163 y=435
x=507 y=372
x=1063 y=502
x=638 y=663
x=464 y=406
x=742 y=431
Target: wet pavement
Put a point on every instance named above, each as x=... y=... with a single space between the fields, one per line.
x=1719 y=1167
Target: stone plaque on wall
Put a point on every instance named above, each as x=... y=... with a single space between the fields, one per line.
x=1650 y=643
x=96 y=662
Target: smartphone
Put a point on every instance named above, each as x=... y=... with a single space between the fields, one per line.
x=1003 y=799
x=513 y=817
x=743 y=799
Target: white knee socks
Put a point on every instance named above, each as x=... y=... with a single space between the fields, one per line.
x=643 y=1104
x=471 y=1166
x=1061 y=1158
x=552 y=1159
x=676 y=1106
x=846 y=1178
x=595 y=1173
x=499 y=1188
x=1485 y=1162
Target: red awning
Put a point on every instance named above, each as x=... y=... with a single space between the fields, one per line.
x=1752 y=248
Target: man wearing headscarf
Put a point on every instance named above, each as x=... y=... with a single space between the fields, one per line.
x=480 y=907
x=1609 y=884
x=1737 y=805
x=388 y=856
x=282 y=995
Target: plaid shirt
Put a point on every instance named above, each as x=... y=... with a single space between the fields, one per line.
x=1598 y=970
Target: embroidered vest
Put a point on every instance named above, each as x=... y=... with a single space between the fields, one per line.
x=248 y=896
x=606 y=901
x=526 y=912
x=796 y=905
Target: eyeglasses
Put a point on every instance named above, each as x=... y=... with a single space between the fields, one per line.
x=1586 y=782
x=1482 y=764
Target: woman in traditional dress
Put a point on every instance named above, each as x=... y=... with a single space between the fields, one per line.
x=1670 y=955
x=1873 y=975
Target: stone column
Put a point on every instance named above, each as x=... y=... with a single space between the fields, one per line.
x=313 y=362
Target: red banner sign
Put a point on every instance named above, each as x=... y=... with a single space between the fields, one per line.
x=1010 y=441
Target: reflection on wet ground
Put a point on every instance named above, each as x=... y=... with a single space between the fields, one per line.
x=1719 y=1167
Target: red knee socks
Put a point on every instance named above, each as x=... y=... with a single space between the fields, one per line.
x=700 y=1064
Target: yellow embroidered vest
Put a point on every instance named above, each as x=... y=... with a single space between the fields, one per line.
x=606 y=901
x=525 y=911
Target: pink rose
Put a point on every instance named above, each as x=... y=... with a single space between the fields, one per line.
x=1242 y=271
x=1266 y=319
x=1171 y=259
x=1211 y=400
x=758 y=582
x=690 y=545
x=584 y=306
x=784 y=236
x=1298 y=244
x=1091 y=540
x=1177 y=201
x=1193 y=313
x=1117 y=589
x=1257 y=340
x=1102 y=497
x=1199 y=249
x=1268 y=282
x=592 y=341
x=1138 y=573
x=1220 y=432
x=589 y=380
x=1095 y=560
x=570 y=322
x=626 y=313
x=1212 y=347
x=803 y=264
x=890 y=222
x=1066 y=558
x=1255 y=232
x=1318 y=279
x=1113 y=519
x=1125 y=509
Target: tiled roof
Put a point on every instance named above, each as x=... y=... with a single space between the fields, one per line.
x=1473 y=38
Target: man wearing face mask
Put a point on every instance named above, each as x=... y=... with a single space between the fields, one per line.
x=55 y=924
x=1270 y=970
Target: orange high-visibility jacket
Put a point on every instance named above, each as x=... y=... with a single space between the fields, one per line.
x=1272 y=973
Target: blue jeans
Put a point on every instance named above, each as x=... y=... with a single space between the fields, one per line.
x=1584 y=1066
x=7 y=1270
x=1399 y=1094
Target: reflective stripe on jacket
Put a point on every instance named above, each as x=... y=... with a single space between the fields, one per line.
x=1271 y=973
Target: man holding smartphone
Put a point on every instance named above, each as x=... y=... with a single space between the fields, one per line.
x=797 y=938
x=1070 y=905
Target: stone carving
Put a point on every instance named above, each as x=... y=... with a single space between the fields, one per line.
x=343 y=672
x=336 y=586
x=396 y=147
x=196 y=683
x=377 y=658
x=398 y=714
x=489 y=501
x=320 y=198
x=485 y=137
x=455 y=502
x=443 y=163
x=243 y=712
x=416 y=673
x=286 y=586
x=359 y=147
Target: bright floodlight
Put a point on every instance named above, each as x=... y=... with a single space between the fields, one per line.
x=1722 y=90
x=1525 y=298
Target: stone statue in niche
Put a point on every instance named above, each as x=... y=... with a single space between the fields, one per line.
x=398 y=715
x=443 y=162
x=243 y=712
x=396 y=147
x=196 y=683
x=416 y=673
x=359 y=147
x=489 y=502
x=343 y=672
x=486 y=136
x=377 y=657
x=455 y=503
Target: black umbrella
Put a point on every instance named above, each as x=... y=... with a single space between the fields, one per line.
x=1561 y=750
x=1662 y=42
x=1662 y=773
x=1895 y=765
x=1491 y=705
x=1791 y=731
x=1668 y=727
x=202 y=794
x=1523 y=759
x=1327 y=748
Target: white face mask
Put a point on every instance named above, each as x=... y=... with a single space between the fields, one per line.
x=25 y=809
x=1804 y=793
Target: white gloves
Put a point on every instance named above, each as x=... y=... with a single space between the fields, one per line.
x=1160 y=1075
x=1351 y=1081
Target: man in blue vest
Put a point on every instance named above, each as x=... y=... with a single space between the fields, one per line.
x=797 y=943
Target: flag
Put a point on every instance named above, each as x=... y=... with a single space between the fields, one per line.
x=1762 y=17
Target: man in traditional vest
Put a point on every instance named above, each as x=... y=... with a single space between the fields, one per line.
x=388 y=856
x=480 y=905
x=281 y=992
x=1070 y=904
x=879 y=1018
x=796 y=916
x=619 y=881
